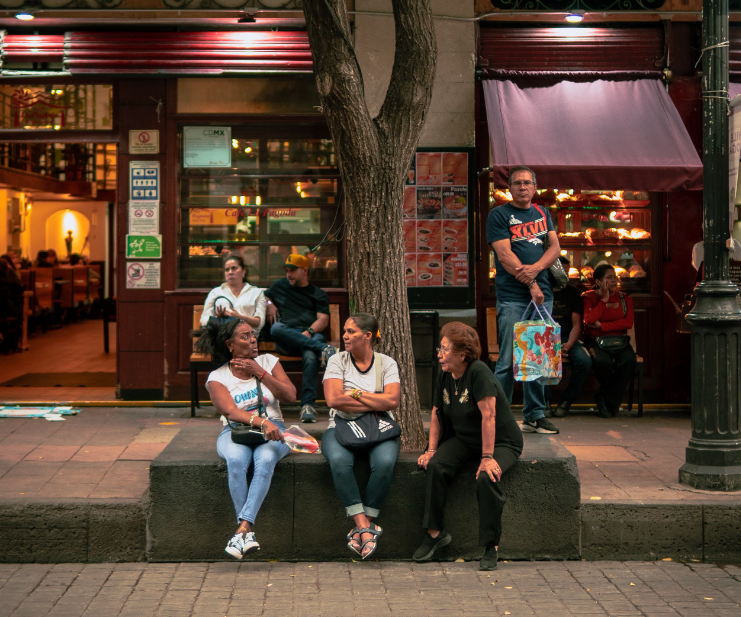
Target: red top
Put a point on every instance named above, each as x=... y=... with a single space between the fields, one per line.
x=610 y=314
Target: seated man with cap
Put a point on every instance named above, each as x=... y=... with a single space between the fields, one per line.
x=298 y=312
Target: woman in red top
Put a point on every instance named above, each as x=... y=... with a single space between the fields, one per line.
x=608 y=315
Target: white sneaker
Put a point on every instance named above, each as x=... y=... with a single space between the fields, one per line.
x=241 y=545
x=250 y=543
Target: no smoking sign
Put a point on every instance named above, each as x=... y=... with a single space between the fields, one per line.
x=144 y=142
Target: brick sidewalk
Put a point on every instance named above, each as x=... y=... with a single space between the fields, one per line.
x=552 y=589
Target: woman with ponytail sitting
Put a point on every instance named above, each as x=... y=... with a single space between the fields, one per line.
x=233 y=390
x=358 y=382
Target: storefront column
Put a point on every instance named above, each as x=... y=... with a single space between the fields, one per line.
x=713 y=456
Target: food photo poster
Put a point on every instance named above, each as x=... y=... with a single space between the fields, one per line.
x=436 y=234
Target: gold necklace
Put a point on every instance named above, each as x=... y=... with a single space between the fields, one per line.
x=457 y=383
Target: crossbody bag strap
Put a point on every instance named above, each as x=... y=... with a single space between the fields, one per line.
x=379 y=371
x=546 y=241
x=622 y=301
x=260 y=403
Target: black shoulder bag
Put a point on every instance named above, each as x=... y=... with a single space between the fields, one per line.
x=220 y=321
x=245 y=434
x=370 y=428
x=557 y=276
x=614 y=342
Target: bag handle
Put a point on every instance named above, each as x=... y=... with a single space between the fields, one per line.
x=538 y=308
x=379 y=372
x=260 y=404
x=217 y=298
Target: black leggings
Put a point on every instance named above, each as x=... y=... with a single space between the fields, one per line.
x=451 y=455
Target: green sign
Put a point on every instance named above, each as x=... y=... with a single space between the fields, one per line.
x=144 y=247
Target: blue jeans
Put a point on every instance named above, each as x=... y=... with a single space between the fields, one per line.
x=248 y=498
x=581 y=364
x=291 y=342
x=509 y=313
x=382 y=457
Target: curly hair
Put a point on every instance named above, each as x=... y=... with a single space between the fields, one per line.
x=212 y=339
x=463 y=338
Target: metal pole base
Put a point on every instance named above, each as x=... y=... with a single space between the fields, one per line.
x=713 y=455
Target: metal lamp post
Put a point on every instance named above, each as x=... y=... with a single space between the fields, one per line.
x=713 y=456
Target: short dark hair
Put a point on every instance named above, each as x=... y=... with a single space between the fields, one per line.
x=240 y=260
x=367 y=323
x=517 y=168
x=601 y=270
x=564 y=260
x=42 y=255
x=463 y=338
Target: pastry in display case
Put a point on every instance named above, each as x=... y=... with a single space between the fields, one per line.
x=597 y=227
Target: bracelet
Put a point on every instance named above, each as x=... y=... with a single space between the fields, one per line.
x=428 y=451
x=483 y=456
x=252 y=420
x=531 y=284
x=263 y=374
x=356 y=394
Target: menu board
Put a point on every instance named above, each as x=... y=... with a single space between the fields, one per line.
x=436 y=202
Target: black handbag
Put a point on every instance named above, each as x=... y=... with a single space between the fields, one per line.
x=614 y=342
x=245 y=434
x=366 y=429
x=220 y=321
x=557 y=276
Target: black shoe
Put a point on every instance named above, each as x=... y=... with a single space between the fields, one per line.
x=489 y=560
x=430 y=545
x=562 y=410
x=548 y=411
x=540 y=425
x=602 y=406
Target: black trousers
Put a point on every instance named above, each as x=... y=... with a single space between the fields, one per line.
x=614 y=371
x=451 y=455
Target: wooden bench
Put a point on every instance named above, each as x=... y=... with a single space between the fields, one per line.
x=493 y=350
x=203 y=362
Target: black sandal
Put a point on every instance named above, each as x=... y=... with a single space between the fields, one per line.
x=376 y=532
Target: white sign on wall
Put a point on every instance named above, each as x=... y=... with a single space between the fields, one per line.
x=143 y=274
x=144 y=219
x=144 y=142
x=207 y=146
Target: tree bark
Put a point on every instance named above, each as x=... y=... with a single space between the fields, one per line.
x=374 y=155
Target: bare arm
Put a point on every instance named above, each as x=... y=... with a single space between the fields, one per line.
x=527 y=274
x=322 y=320
x=575 y=332
x=370 y=401
x=423 y=460
x=488 y=408
x=278 y=383
x=510 y=261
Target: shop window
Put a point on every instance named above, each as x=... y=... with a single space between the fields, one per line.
x=597 y=227
x=279 y=195
x=70 y=107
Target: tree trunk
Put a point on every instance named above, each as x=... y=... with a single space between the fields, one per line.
x=374 y=155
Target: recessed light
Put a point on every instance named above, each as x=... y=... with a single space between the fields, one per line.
x=575 y=17
x=24 y=15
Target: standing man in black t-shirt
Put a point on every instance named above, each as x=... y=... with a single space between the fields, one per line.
x=568 y=311
x=303 y=310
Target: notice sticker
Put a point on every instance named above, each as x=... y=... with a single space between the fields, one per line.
x=144 y=247
x=144 y=219
x=144 y=142
x=143 y=274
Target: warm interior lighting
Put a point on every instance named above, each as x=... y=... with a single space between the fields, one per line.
x=564 y=253
x=575 y=17
x=234 y=199
x=235 y=143
x=258 y=201
x=241 y=200
x=24 y=15
x=608 y=253
x=248 y=149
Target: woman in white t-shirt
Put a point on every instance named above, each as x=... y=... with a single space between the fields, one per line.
x=350 y=389
x=236 y=297
x=233 y=390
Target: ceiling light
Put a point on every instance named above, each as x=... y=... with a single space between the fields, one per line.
x=24 y=15
x=575 y=17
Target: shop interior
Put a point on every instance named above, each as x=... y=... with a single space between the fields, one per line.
x=57 y=276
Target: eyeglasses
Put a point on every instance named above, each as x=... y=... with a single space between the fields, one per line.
x=247 y=336
x=443 y=349
x=522 y=183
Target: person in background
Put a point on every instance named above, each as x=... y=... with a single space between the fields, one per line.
x=350 y=388
x=233 y=390
x=53 y=259
x=568 y=309
x=299 y=312
x=608 y=315
x=516 y=232
x=42 y=260
x=236 y=297
x=471 y=421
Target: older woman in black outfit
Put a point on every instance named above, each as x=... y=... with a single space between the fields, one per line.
x=471 y=420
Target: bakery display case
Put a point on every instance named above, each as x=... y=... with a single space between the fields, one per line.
x=597 y=227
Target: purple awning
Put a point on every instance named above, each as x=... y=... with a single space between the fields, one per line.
x=599 y=135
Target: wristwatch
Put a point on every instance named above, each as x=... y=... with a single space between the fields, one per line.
x=310 y=331
x=483 y=456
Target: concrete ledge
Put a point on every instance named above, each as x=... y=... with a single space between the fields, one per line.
x=72 y=531
x=191 y=517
